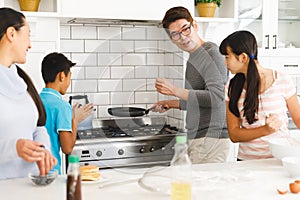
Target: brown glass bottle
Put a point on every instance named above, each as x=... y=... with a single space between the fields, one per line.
x=73 y=179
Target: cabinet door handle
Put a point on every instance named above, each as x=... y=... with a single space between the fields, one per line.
x=275 y=41
x=268 y=43
x=290 y=65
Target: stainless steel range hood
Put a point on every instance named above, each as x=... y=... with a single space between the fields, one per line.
x=99 y=21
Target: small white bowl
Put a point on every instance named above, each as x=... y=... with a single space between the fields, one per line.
x=292 y=166
x=42 y=180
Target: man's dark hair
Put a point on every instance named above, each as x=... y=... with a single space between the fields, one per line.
x=174 y=14
x=53 y=64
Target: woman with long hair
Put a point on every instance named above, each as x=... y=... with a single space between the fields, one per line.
x=24 y=142
x=257 y=98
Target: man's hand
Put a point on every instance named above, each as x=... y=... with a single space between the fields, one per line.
x=165 y=86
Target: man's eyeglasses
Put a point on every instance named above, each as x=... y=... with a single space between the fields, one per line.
x=177 y=35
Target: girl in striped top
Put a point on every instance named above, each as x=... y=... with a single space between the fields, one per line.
x=257 y=98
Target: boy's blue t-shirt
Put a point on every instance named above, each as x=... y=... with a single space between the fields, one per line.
x=59 y=118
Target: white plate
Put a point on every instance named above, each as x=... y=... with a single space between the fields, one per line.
x=100 y=180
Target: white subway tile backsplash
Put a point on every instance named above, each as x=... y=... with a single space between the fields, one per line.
x=146 y=71
x=169 y=59
x=96 y=46
x=122 y=98
x=145 y=46
x=162 y=97
x=65 y=32
x=97 y=72
x=84 y=86
x=72 y=45
x=146 y=97
x=83 y=32
x=109 y=59
x=173 y=72
x=101 y=99
x=168 y=46
x=84 y=59
x=110 y=85
x=180 y=58
x=122 y=72
x=161 y=46
x=119 y=46
x=134 y=59
x=102 y=112
x=151 y=85
x=154 y=33
x=155 y=59
x=109 y=33
x=162 y=71
x=134 y=84
x=118 y=65
x=77 y=73
x=133 y=33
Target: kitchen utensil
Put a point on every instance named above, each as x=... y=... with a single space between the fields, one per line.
x=117 y=183
x=128 y=111
x=157 y=179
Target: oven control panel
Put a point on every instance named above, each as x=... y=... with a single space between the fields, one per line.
x=126 y=153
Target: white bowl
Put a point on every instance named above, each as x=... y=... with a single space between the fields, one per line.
x=292 y=166
x=42 y=180
x=284 y=147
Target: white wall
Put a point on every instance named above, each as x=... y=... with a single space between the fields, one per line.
x=118 y=65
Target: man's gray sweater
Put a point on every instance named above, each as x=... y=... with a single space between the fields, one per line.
x=205 y=78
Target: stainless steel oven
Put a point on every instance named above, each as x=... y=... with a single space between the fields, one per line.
x=124 y=142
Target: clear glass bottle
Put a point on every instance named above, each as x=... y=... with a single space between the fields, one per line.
x=181 y=166
x=73 y=178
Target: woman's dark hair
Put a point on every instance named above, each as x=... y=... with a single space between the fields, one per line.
x=10 y=18
x=243 y=42
x=53 y=64
x=13 y=18
x=35 y=96
x=174 y=14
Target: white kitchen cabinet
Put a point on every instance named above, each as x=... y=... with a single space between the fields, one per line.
x=275 y=24
x=284 y=59
x=119 y=9
x=49 y=8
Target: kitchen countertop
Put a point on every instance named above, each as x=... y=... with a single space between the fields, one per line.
x=258 y=179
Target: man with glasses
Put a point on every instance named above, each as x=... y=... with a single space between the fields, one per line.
x=203 y=95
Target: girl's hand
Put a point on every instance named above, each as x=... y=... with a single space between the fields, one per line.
x=273 y=123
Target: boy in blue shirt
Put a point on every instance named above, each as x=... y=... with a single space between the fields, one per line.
x=62 y=120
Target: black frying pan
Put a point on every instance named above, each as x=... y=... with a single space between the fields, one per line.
x=128 y=111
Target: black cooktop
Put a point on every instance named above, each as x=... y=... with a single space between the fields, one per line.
x=114 y=132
